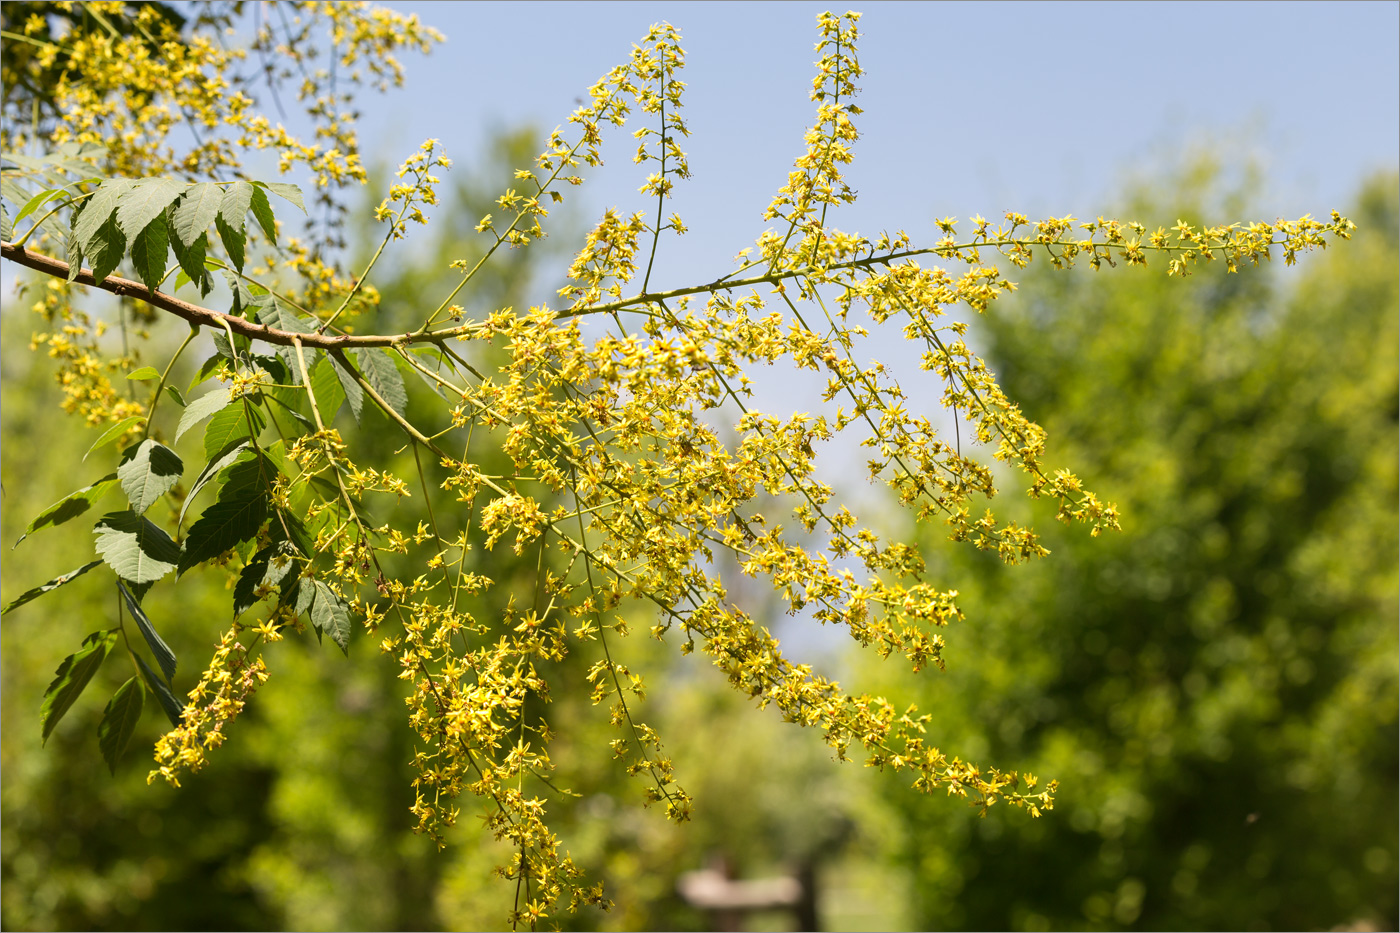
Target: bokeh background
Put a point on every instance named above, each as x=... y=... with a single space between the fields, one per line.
x=1215 y=687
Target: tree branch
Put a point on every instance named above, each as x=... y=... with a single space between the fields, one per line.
x=199 y=316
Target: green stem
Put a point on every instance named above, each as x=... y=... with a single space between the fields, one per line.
x=155 y=400
x=17 y=37
x=500 y=238
x=355 y=290
x=69 y=203
x=661 y=193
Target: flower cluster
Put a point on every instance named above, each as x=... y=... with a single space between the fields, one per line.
x=221 y=694
x=419 y=192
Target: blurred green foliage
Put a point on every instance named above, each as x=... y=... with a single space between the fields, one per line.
x=1215 y=687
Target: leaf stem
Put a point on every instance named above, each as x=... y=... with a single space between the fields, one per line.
x=155 y=399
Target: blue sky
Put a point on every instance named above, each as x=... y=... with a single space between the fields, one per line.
x=1045 y=108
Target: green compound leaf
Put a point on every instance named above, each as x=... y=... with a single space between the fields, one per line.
x=271 y=566
x=206 y=370
x=191 y=260
x=148 y=252
x=136 y=549
x=70 y=506
x=228 y=455
x=37 y=202
x=98 y=210
x=174 y=710
x=202 y=408
x=72 y=678
x=149 y=470
x=163 y=655
x=224 y=525
x=262 y=212
x=233 y=210
x=328 y=612
x=282 y=189
x=331 y=615
x=144 y=374
x=236 y=517
x=73 y=254
x=144 y=202
x=330 y=395
x=53 y=584
x=230 y=424
x=105 y=249
x=248 y=475
x=233 y=239
x=379 y=371
x=351 y=389
x=279 y=317
x=195 y=212
x=114 y=432
x=119 y=721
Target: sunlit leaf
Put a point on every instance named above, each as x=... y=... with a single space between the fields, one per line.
x=114 y=432
x=233 y=210
x=73 y=255
x=37 y=202
x=349 y=387
x=53 y=584
x=135 y=548
x=144 y=202
x=262 y=212
x=380 y=372
x=148 y=472
x=330 y=394
x=235 y=421
x=282 y=189
x=195 y=212
x=331 y=615
x=70 y=506
x=202 y=408
x=97 y=210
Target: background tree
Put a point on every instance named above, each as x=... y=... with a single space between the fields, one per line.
x=1216 y=686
